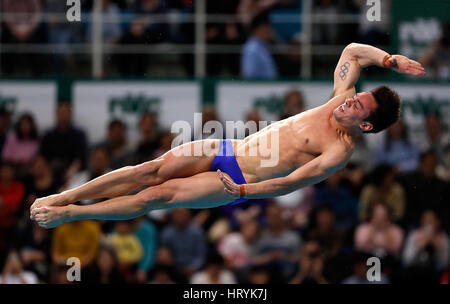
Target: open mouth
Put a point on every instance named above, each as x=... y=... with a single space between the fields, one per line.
x=341 y=108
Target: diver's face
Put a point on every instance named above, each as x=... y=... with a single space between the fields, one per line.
x=355 y=110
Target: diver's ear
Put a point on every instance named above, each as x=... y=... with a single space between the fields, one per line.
x=366 y=126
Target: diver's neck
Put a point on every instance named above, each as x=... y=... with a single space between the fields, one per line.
x=343 y=130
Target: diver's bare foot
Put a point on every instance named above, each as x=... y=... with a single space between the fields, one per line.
x=51 y=200
x=49 y=217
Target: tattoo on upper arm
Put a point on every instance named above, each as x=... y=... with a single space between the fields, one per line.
x=344 y=70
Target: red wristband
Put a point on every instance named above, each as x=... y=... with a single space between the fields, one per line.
x=386 y=62
x=242 y=191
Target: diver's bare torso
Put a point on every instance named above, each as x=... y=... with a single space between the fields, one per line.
x=301 y=138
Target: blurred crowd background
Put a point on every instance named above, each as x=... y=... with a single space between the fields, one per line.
x=392 y=201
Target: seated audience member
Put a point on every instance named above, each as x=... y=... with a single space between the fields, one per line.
x=13 y=272
x=35 y=248
x=383 y=187
x=214 y=272
x=277 y=246
x=293 y=104
x=12 y=193
x=443 y=169
x=149 y=137
x=166 y=261
x=311 y=265
x=360 y=271
x=425 y=190
x=436 y=138
x=105 y=269
x=437 y=56
x=41 y=182
x=98 y=165
x=186 y=240
x=323 y=230
x=22 y=144
x=116 y=145
x=427 y=247
x=398 y=149
x=146 y=232
x=235 y=247
x=64 y=145
x=343 y=202
x=260 y=275
x=161 y=275
x=379 y=235
x=128 y=247
x=79 y=239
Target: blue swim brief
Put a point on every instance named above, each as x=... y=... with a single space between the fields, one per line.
x=225 y=160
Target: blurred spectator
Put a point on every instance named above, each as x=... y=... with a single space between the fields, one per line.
x=79 y=239
x=12 y=193
x=65 y=145
x=137 y=64
x=428 y=246
x=330 y=239
x=41 y=181
x=155 y=31
x=98 y=165
x=277 y=246
x=235 y=247
x=128 y=247
x=13 y=272
x=360 y=269
x=61 y=33
x=161 y=275
x=35 y=245
x=379 y=236
x=147 y=236
x=437 y=56
x=383 y=188
x=297 y=205
x=111 y=27
x=58 y=274
x=311 y=265
x=105 y=270
x=22 y=144
x=256 y=58
x=436 y=139
x=209 y=114
x=21 y=26
x=293 y=104
x=425 y=190
x=116 y=145
x=186 y=240
x=344 y=204
x=260 y=275
x=166 y=261
x=398 y=149
x=165 y=143
x=149 y=137
x=214 y=272
x=5 y=122
x=443 y=169
x=253 y=119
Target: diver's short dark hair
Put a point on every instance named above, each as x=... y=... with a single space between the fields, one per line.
x=387 y=111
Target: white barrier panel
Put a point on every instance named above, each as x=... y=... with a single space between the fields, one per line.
x=95 y=104
x=235 y=99
x=36 y=98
